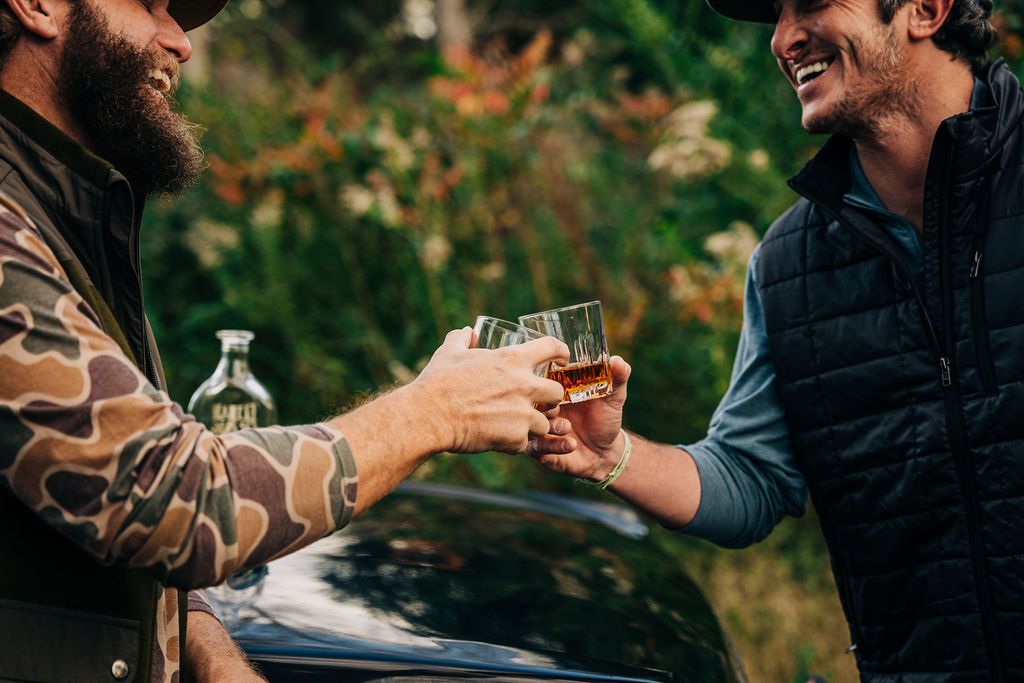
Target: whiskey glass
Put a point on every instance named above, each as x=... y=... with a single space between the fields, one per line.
x=587 y=375
x=495 y=333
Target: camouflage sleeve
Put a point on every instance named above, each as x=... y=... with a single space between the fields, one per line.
x=95 y=450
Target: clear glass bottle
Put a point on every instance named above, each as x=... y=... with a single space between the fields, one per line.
x=230 y=400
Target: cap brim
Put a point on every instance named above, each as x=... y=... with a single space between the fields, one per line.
x=193 y=13
x=760 y=11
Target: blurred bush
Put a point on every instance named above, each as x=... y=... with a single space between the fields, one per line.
x=351 y=219
x=352 y=224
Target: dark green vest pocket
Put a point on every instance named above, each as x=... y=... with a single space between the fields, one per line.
x=48 y=645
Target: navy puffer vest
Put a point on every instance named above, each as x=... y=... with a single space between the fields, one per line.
x=905 y=399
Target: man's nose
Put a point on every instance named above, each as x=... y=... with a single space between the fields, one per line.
x=173 y=39
x=790 y=36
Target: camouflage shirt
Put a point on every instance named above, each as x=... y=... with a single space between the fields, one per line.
x=92 y=447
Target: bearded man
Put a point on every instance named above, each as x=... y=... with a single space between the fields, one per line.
x=111 y=498
x=881 y=362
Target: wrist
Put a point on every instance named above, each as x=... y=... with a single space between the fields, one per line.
x=428 y=409
x=608 y=459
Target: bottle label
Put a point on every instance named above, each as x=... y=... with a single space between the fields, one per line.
x=230 y=417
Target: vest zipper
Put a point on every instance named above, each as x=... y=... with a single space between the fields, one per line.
x=849 y=221
x=962 y=460
x=986 y=368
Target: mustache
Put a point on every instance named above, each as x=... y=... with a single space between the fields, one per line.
x=159 y=61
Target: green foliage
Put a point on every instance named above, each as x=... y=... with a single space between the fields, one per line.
x=367 y=193
x=352 y=219
x=352 y=227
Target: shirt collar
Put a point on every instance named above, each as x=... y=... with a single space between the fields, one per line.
x=863 y=196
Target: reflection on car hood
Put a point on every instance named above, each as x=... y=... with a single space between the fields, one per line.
x=501 y=583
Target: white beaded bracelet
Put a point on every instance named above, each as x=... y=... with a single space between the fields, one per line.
x=617 y=470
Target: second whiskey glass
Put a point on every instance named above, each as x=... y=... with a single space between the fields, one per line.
x=587 y=375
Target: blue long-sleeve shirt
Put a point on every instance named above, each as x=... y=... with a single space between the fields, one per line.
x=749 y=476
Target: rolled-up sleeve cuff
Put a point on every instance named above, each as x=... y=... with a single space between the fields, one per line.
x=197 y=603
x=345 y=482
x=716 y=517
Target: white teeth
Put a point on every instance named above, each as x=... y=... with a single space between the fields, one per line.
x=162 y=81
x=803 y=72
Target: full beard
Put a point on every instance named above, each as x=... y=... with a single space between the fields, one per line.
x=889 y=94
x=105 y=84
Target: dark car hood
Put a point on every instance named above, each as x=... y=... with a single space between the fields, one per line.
x=524 y=583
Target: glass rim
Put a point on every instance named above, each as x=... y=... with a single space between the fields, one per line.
x=509 y=325
x=563 y=308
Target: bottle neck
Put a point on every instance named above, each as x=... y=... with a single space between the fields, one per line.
x=234 y=361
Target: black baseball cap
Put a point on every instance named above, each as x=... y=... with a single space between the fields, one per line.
x=760 y=11
x=193 y=13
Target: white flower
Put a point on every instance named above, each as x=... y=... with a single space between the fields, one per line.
x=358 y=199
x=397 y=150
x=686 y=151
x=691 y=120
x=495 y=270
x=209 y=240
x=435 y=251
x=758 y=160
x=421 y=138
x=269 y=211
x=387 y=204
x=734 y=246
x=682 y=288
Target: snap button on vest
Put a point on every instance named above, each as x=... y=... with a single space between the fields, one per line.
x=119 y=670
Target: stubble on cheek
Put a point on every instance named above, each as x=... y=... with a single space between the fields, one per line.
x=876 y=90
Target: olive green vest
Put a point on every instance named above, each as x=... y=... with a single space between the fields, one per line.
x=63 y=616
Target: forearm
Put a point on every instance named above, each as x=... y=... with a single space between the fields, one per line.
x=210 y=653
x=390 y=438
x=660 y=480
x=466 y=400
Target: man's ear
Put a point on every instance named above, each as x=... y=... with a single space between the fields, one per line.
x=38 y=17
x=925 y=17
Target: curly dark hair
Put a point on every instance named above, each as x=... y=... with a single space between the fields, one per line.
x=10 y=30
x=967 y=34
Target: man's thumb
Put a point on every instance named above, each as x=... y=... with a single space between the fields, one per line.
x=459 y=339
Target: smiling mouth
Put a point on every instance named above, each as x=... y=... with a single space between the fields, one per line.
x=160 y=81
x=809 y=72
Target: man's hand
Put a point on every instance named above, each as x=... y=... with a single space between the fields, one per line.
x=585 y=442
x=212 y=655
x=584 y=439
x=487 y=397
x=466 y=400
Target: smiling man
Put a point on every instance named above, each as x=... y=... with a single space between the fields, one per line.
x=113 y=502
x=881 y=362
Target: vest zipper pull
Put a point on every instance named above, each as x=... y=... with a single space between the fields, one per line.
x=850 y=650
x=976 y=265
x=947 y=372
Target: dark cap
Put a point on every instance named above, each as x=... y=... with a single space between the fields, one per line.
x=761 y=11
x=193 y=13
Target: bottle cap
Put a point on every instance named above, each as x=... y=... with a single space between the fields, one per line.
x=235 y=338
